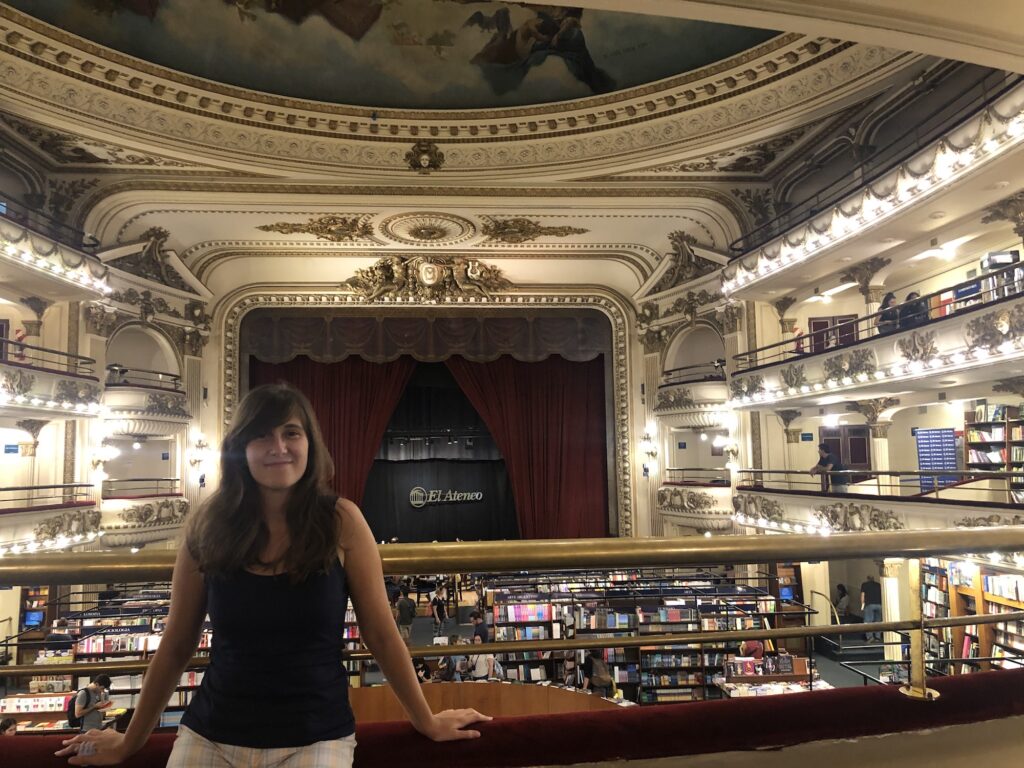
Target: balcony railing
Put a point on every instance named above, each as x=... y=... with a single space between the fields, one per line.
x=30 y=497
x=697 y=476
x=968 y=296
x=122 y=376
x=924 y=130
x=46 y=225
x=43 y=359
x=948 y=486
x=688 y=374
x=141 y=488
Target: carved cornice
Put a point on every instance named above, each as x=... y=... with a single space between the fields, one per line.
x=991 y=521
x=78 y=522
x=754 y=506
x=851 y=516
x=152 y=263
x=787 y=416
x=63 y=71
x=160 y=512
x=241 y=304
x=782 y=306
x=683 y=264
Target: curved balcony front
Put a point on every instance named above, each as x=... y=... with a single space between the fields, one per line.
x=966 y=336
x=34 y=517
x=38 y=382
x=144 y=402
x=137 y=511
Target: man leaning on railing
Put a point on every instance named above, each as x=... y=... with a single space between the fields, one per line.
x=829 y=463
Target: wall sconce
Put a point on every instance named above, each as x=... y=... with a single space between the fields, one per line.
x=200 y=451
x=647 y=446
x=103 y=454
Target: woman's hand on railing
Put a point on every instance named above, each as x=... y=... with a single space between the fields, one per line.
x=95 y=747
x=450 y=725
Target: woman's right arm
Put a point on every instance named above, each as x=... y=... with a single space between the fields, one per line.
x=177 y=645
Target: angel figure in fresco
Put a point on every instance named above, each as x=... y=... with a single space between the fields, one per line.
x=554 y=31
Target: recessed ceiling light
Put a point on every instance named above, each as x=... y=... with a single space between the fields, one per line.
x=947 y=382
x=937 y=215
x=846 y=259
x=1000 y=185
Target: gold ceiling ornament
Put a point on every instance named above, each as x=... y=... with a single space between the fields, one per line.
x=424 y=157
x=520 y=229
x=333 y=227
x=427 y=279
x=428 y=229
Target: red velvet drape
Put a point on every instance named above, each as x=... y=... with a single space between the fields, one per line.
x=354 y=400
x=548 y=420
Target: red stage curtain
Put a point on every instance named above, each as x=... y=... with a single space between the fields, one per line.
x=354 y=400
x=548 y=420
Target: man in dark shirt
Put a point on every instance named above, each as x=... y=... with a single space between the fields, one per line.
x=480 y=626
x=829 y=462
x=871 y=605
x=439 y=608
x=406 y=613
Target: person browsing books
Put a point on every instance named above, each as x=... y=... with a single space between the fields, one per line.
x=91 y=701
x=596 y=675
x=272 y=558
x=480 y=666
x=8 y=727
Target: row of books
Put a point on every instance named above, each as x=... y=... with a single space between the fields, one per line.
x=525 y=673
x=986 y=412
x=935 y=595
x=20 y=705
x=676 y=679
x=976 y=456
x=671 y=696
x=992 y=435
x=526 y=612
x=101 y=644
x=1010 y=586
x=539 y=632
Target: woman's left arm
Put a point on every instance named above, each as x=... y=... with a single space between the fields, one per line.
x=380 y=633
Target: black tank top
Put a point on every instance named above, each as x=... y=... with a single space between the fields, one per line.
x=275 y=677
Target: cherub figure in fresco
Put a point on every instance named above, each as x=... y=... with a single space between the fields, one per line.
x=554 y=31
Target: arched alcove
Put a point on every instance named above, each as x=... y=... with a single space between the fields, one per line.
x=699 y=345
x=140 y=348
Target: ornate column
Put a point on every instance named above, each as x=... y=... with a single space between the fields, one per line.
x=863 y=275
x=786 y=324
x=872 y=411
x=893 y=587
x=787 y=417
x=34 y=328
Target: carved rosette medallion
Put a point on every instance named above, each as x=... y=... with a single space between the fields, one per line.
x=426 y=229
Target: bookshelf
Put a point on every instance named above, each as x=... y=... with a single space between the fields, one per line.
x=994 y=441
x=935 y=604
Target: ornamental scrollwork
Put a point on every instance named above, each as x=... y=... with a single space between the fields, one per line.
x=872 y=409
x=101 y=319
x=430 y=278
x=76 y=392
x=686 y=501
x=853 y=363
x=850 y=516
x=79 y=522
x=654 y=340
x=691 y=304
x=18 y=382
x=522 y=230
x=730 y=316
x=162 y=512
x=332 y=227
x=793 y=376
x=1008 y=209
x=1014 y=385
x=669 y=399
x=684 y=264
x=862 y=274
x=166 y=405
x=148 y=304
x=747 y=386
x=424 y=157
x=994 y=329
x=648 y=314
x=918 y=347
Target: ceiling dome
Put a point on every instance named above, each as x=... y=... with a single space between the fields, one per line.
x=402 y=54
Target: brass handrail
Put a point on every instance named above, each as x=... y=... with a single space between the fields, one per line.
x=555 y=554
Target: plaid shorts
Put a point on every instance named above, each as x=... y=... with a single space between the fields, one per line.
x=194 y=751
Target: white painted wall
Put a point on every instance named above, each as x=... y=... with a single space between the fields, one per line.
x=137 y=347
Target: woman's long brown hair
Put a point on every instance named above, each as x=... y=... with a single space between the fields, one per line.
x=227 y=533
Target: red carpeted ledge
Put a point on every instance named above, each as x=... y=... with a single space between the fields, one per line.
x=647 y=732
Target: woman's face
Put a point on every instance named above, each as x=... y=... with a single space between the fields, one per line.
x=477 y=640
x=277 y=460
x=11 y=731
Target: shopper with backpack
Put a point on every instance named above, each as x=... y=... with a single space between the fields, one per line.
x=85 y=709
x=596 y=675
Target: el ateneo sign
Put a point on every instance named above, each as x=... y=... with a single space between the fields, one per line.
x=421 y=497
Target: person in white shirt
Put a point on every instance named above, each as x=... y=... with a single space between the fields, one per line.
x=480 y=665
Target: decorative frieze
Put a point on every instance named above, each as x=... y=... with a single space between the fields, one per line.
x=336 y=228
x=149 y=305
x=674 y=398
x=748 y=386
x=850 y=516
x=990 y=521
x=918 y=347
x=17 y=382
x=522 y=230
x=793 y=376
x=167 y=404
x=856 y=362
x=161 y=512
x=77 y=522
x=993 y=329
x=76 y=392
x=754 y=507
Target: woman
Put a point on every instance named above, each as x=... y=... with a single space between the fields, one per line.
x=913 y=312
x=273 y=560
x=480 y=665
x=888 y=315
x=842 y=603
x=8 y=727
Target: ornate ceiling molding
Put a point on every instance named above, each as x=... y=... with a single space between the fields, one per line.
x=428 y=229
x=235 y=307
x=67 y=73
x=427 y=279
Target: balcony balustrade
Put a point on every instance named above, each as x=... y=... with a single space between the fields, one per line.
x=47 y=381
x=141 y=488
x=145 y=402
x=962 y=329
x=688 y=374
x=34 y=498
x=119 y=376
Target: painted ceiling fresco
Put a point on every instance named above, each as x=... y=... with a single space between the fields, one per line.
x=414 y=54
